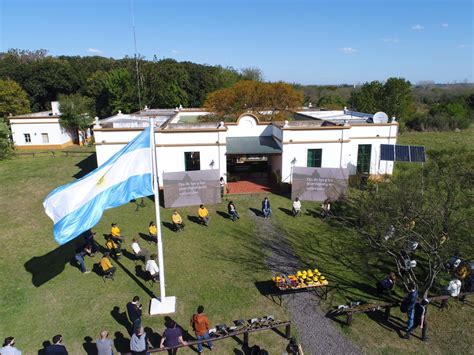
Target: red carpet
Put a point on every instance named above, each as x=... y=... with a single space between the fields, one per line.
x=247 y=187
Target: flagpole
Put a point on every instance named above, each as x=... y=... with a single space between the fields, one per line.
x=163 y=305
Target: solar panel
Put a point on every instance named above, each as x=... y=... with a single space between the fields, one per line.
x=387 y=152
x=402 y=153
x=417 y=154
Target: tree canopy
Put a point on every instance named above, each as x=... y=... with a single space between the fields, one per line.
x=13 y=99
x=248 y=95
x=77 y=113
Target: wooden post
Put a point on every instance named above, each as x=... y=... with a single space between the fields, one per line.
x=246 y=339
x=288 y=331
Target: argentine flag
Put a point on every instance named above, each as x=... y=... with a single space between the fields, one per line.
x=78 y=206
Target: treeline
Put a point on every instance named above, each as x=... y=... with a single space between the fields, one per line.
x=112 y=83
x=426 y=106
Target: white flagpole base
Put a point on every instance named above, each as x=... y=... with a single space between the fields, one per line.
x=165 y=306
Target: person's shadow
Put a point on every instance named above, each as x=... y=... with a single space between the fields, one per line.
x=257 y=212
x=121 y=344
x=223 y=214
x=122 y=319
x=194 y=219
x=46 y=267
x=154 y=338
x=89 y=347
x=286 y=211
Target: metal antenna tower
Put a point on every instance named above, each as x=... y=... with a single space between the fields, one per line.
x=136 y=56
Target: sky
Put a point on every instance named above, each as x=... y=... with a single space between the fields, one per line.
x=301 y=41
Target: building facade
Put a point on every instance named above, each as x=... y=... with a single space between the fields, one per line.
x=40 y=130
x=249 y=147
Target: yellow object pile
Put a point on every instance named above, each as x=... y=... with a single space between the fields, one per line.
x=302 y=278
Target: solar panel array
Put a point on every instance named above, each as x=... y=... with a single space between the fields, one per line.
x=409 y=153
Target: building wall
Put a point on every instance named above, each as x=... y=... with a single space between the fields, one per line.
x=56 y=135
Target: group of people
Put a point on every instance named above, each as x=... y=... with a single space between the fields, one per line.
x=173 y=334
x=113 y=248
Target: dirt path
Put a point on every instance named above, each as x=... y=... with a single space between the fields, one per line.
x=317 y=333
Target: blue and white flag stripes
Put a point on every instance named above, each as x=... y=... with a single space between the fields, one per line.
x=78 y=206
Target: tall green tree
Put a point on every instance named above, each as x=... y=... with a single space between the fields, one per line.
x=397 y=99
x=13 y=99
x=77 y=113
x=370 y=97
x=6 y=145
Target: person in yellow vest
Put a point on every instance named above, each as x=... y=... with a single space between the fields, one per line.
x=113 y=247
x=203 y=214
x=106 y=265
x=115 y=233
x=177 y=221
x=152 y=231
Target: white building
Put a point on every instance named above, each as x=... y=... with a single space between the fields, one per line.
x=311 y=138
x=40 y=130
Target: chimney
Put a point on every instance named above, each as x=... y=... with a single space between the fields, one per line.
x=55 y=108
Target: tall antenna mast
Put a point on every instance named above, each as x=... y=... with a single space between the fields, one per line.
x=136 y=56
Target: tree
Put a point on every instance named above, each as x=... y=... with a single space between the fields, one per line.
x=369 y=98
x=252 y=73
x=332 y=102
x=6 y=145
x=253 y=96
x=433 y=213
x=13 y=99
x=77 y=113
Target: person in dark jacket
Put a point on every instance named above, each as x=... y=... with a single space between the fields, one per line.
x=232 y=210
x=386 y=285
x=134 y=310
x=266 y=209
x=411 y=299
x=57 y=348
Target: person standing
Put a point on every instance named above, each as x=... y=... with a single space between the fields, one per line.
x=172 y=336
x=134 y=310
x=232 y=210
x=177 y=221
x=152 y=231
x=139 y=342
x=80 y=254
x=410 y=303
x=200 y=324
x=222 y=186
x=57 y=347
x=296 y=207
x=105 y=346
x=9 y=347
x=266 y=208
x=203 y=214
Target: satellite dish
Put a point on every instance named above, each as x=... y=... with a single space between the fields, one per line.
x=380 y=117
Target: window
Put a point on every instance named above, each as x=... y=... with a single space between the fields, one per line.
x=314 y=158
x=192 y=161
x=45 y=137
x=27 y=138
x=363 y=158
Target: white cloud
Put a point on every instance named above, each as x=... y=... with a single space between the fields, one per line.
x=175 y=51
x=348 y=50
x=391 y=40
x=417 y=27
x=464 y=45
x=94 y=51
x=445 y=25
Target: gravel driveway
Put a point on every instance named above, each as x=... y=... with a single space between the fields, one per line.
x=316 y=333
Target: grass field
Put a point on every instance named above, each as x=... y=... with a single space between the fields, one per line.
x=43 y=293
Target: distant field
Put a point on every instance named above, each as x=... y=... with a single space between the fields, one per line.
x=43 y=293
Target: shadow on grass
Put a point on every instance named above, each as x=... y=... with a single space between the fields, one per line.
x=46 y=267
x=223 y=214
x=89 y=347
x=146 y=237
x=122 y=319
x=286 y=211
x=86 y=165
x=154 y=337
x=194 y=219
x=121 y=344
x=137 y=281
x=256 y=212
x=169 y=225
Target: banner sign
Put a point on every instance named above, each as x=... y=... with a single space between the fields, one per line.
x=191 y=188
x=319 y=184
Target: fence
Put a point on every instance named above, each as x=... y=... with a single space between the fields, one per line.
x=54 y=154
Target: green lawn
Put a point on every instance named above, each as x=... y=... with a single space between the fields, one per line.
x=42 y=293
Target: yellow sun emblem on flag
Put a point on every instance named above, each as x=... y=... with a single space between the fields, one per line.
x=101 y=180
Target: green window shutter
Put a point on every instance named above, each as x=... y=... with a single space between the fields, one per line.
x=363 y=158
x=314 y=158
